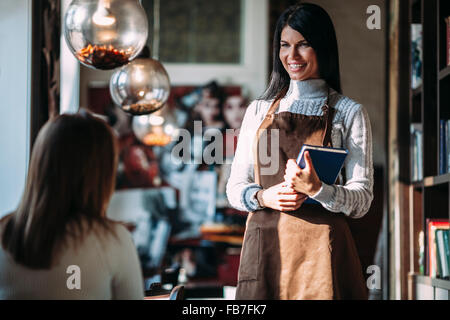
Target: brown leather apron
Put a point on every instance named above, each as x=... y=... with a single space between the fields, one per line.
x=304 y=254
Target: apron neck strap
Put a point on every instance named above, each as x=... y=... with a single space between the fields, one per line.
x=276 y=102
x=265 y=123
x=328 y=113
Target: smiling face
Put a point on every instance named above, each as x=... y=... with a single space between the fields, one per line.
x=297 y=56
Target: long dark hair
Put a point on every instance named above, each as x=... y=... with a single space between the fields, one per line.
x=70 y=179
x=315 y=25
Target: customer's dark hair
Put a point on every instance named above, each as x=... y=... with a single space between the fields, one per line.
x=70 y=180
x=315 y=25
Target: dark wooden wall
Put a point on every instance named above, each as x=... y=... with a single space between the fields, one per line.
x=45 y=82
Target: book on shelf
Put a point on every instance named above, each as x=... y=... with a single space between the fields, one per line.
x=438 y=257
x=416 y=55
x=444 y=146
x=327 y=162
x=434 y=260
x=442 y=253
x=416 y=152
x=446 y=248
x=442 y=152
x=421 y=242
x=447 y=28
x=447 y=144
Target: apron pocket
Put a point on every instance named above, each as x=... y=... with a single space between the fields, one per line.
x=248 y=266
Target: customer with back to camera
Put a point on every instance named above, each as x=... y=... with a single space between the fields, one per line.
x=60 y=226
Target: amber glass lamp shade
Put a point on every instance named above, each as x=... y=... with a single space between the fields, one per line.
x=141 y=87
x=105 y=34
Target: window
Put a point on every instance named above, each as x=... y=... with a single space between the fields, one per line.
x=198 y=31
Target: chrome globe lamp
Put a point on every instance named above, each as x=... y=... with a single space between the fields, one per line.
x=105 y=34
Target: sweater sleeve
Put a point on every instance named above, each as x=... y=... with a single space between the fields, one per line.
x=355 y=197
x=128 y=283
x=241 y=187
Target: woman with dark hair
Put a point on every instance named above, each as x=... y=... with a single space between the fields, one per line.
x=59 y=244
x=292 y=249
x=209 y=107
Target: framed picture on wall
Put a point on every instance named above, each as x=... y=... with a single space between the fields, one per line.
x=197 y=199
x=196 y=37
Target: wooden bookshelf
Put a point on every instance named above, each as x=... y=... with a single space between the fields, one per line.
x=427 y=198
x=436 y=180
x=427 y=288
x=444 y=73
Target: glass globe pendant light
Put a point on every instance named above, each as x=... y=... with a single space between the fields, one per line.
x=156 y=129
x=141 y=87
x=105 y=34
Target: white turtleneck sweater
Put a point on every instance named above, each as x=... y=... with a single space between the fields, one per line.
x=351 y=130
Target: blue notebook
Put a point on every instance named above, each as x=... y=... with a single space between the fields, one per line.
x=327 y=162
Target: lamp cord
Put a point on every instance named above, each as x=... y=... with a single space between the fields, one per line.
x=156 y=28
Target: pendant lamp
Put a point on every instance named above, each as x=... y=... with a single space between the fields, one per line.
x=156 y=129
x=141 y=87
x=105 y=34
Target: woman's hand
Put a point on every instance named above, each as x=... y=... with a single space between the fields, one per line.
x=304 y=180
x=282 y=198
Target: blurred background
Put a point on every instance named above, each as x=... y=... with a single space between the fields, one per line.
x=218 y=57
